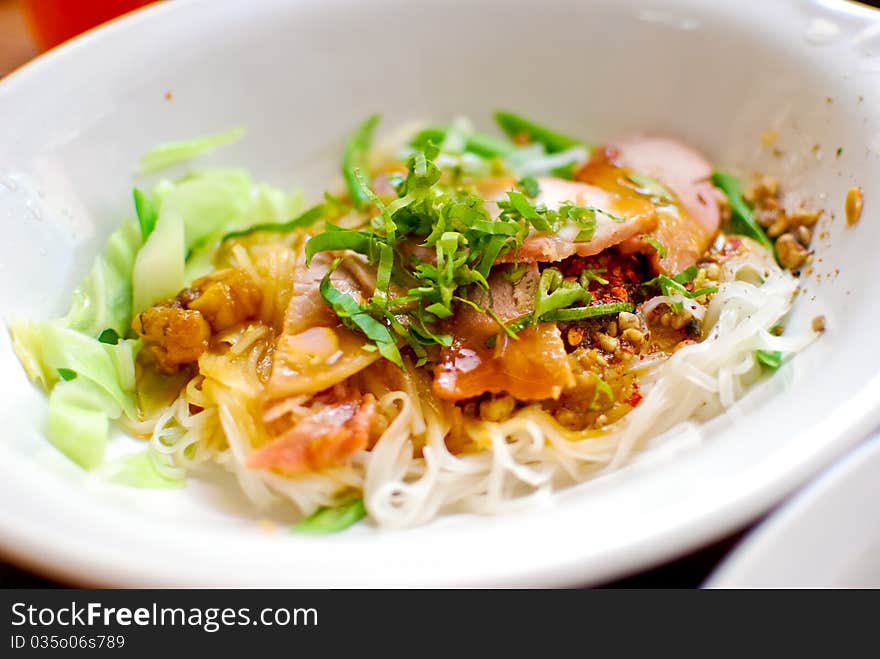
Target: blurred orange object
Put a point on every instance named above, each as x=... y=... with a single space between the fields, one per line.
x=55 y=21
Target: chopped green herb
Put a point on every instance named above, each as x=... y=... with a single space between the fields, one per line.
x=356 y=157
x=514 y=273
x=742 y=220
x=772 y=359
x=554 y=292
x=335 y=239
x=303 y=221
x=109 y=335
x=593 y=275
x=571 y=314
x=671 y=286
x=356 y=316
x=656 y=244
x=687 y=275
x=530 y=186
x=66 y=374
x=479 y=144
x=147 y=214
x=545 y=220
x=466 y=242
x=333 y=520
x=651 y=187
x=592 y=311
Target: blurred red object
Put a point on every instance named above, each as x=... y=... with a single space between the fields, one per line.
x=56 y=21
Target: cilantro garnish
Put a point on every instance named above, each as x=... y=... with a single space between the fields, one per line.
x=414 y=293
x=672 y=285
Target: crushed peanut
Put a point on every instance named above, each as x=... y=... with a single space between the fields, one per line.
x=804 y=218
x=627 y=321
x=607 y=343
x=855 y=199
x=818 y=324
x=791 y=231
x=804 y=235
x=791 y=253
x=633 y=336
x=713 y=271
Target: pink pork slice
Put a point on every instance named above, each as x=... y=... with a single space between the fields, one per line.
x=637 y=214
x=687 y=234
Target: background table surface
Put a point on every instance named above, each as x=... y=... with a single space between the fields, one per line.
x=16 y=48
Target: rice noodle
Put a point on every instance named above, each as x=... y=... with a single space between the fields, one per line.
x=410 y=475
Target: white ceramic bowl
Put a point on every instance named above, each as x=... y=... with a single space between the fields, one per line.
x=300 y=74
x=828 y=536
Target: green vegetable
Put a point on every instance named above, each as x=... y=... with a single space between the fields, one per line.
x=656 y=244
x=48 y=349
x=479 y=144
x=333 y=520
x=109 y=335
x=66 y=374
x=103 y=298
x=593 y=275
x=742 y=220
x=514 y=126
x=172 y=153
x=335 y=239
x=772 y=359
x=465 y=241
x=514 y=273
x=78 y=423
x=603 y=390
x=303 y=221
x=592 y=311
x=550 y=221
x=146 y=213
x=672 y=285
x=554 y=293
x=571 y=314
x=651 y=187
x=80 y=359
x=356 y=157
x=355 y=316
x=530 y=186
x=688 y=274
x=159 y=269
x=142 y=470
x=194 y=214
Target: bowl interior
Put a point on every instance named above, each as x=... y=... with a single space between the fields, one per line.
x=299 y=75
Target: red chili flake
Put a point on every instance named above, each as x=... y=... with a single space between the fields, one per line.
x=634 y=399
